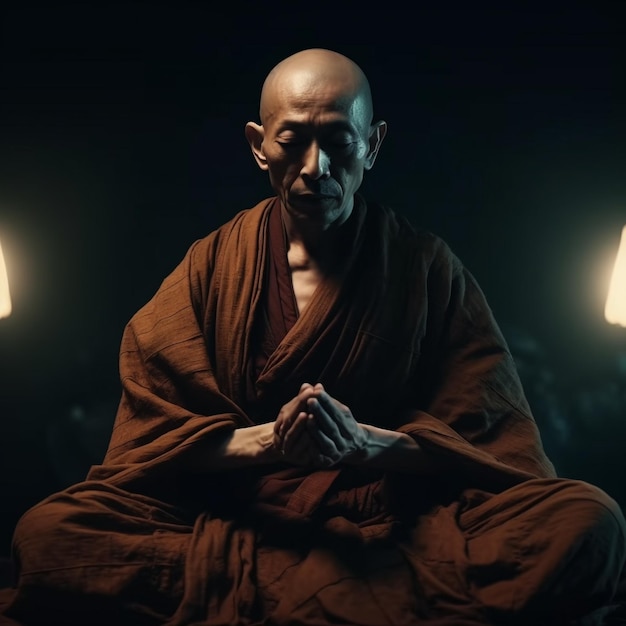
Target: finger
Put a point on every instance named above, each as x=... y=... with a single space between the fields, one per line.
x=302 y=448
x=290 y=410
x=306 y=391
x=327 y=445
x=326 y=423
x=337 y=412
x=305 y=444
x=285 y=416
x=295 y=431
x=293 y=408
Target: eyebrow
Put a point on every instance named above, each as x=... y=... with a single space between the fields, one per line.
x=333 y=125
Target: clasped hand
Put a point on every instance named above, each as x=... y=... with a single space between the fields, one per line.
x=315 y=429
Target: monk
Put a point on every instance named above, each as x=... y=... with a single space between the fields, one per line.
x=320 y=423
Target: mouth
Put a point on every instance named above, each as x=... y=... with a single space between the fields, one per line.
x=312 y=198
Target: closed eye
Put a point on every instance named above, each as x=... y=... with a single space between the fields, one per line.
x=291 y=142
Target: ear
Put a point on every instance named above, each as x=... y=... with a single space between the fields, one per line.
x=377 y=134
x=255 y=134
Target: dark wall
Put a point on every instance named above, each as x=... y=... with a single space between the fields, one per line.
x=121 y=141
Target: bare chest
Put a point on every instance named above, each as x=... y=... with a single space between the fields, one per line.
x=305 y=278
x=305 y=282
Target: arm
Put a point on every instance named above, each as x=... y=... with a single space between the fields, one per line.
x=315 y=429
x=394 y=451
x=313 y=440
x=241 y=447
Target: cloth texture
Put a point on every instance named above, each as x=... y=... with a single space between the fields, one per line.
x=403 y=335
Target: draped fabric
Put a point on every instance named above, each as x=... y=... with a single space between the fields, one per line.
x=403 y=335
x=278 y=310
x=402 y=313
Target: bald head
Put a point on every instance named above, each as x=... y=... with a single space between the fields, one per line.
x=316 y=138
x=308 y=74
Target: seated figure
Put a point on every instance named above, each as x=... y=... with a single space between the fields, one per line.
x=320 y=423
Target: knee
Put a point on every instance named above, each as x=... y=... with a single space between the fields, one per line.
x=597 y=526
x=592 y=504
x=576 y=515
x=42 y=534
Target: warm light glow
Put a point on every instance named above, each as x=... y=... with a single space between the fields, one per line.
x=5 y=296
x=615 y=309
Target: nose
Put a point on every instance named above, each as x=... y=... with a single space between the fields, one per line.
x=316 y=163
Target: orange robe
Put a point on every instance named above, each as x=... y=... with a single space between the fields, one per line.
x=403 y=335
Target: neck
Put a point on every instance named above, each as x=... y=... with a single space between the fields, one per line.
x=316 y=240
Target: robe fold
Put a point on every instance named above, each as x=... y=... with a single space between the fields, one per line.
x=402 y=334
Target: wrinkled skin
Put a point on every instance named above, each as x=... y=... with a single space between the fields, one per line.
x=316 y=138
x=315 y=429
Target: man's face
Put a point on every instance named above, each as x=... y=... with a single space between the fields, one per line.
x=316 y=145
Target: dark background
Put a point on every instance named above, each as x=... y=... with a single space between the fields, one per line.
x=121 y=141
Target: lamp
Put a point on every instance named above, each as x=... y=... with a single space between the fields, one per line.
x=5 y=296
x=615 y=308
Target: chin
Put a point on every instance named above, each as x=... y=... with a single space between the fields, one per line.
x=316 y=206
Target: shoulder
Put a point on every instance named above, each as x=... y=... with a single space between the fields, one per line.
x=229 y=242
x=243 y=226
x=404 y=237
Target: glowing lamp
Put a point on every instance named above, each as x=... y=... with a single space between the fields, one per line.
x=5 y=296
x=615 y=309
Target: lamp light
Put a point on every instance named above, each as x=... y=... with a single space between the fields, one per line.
x=5 y=295
x=615 y=308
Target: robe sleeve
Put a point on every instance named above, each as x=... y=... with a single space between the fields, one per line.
x=476 y=411
x=170 y=398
